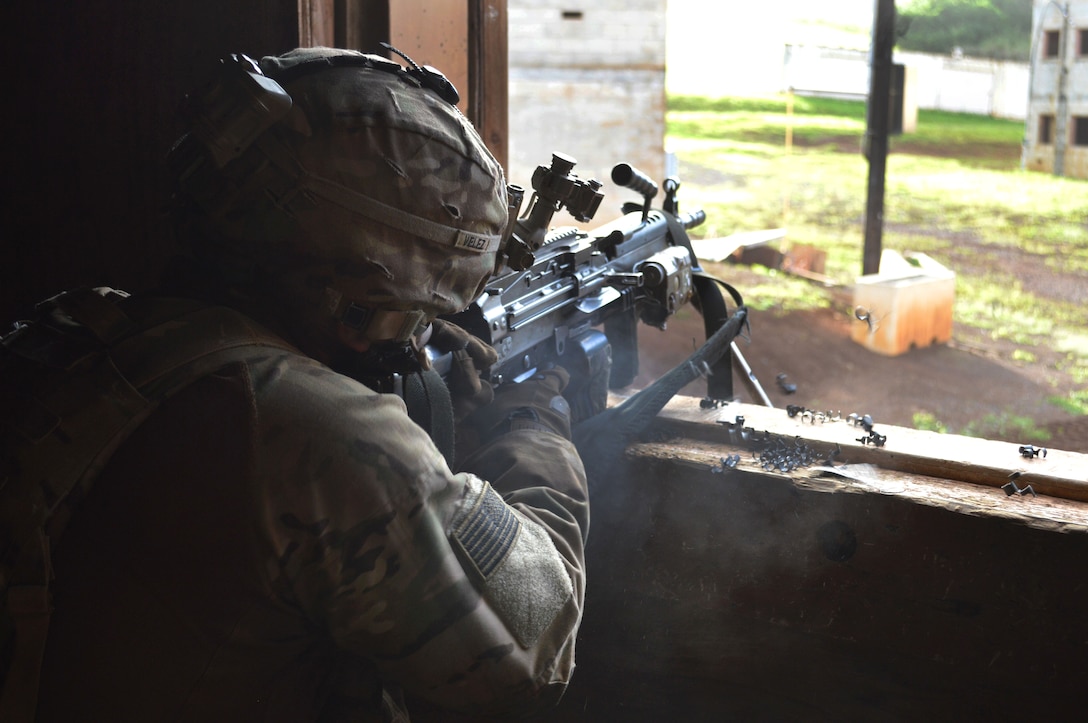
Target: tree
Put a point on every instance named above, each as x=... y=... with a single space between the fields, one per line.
x=999 y=29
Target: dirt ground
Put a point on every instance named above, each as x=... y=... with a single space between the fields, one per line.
x=968 y=381
x=964 y=381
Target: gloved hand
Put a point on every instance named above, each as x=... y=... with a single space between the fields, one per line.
x=536 y=403
x=470 y=354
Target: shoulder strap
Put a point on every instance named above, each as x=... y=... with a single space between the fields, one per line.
x=73 y=386
x=429 y=405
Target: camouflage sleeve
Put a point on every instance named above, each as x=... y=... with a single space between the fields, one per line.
x=458 y=596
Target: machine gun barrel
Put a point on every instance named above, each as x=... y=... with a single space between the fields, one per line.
x=626 y=175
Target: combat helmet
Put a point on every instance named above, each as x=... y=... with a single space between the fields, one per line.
x=350 y=188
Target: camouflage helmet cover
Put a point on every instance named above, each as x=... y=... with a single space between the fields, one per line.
x=371 y=195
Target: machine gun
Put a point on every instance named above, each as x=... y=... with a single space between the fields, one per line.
x=574 y=298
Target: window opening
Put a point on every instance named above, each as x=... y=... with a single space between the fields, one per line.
x=1080 y=131
x=1052 y=42
x=1046 y=129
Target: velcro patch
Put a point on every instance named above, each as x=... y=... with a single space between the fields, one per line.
x=525 y=579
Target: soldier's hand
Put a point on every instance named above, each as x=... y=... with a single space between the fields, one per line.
x=536 y=403
x=469 y=354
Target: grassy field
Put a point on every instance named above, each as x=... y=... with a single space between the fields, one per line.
x=1018 y=241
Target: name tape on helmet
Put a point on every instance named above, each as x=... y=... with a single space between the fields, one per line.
x=476 y=241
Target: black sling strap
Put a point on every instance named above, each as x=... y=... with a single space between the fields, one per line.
x=429 y=406
x=711 y=304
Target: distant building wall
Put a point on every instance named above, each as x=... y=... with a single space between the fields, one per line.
x=1051 y=126
x=969 y=85
x=587 y=78
x=960 y=85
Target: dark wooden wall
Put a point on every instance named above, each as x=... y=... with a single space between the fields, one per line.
x=742 y=597
x=89 y=113
x=736 y=597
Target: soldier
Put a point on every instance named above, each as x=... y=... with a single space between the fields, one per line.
x=278 y=541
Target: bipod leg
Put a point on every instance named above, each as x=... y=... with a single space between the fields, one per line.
x=750 y=376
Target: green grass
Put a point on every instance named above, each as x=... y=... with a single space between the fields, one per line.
x=953 y=190
x=1075 y=403
x=928 y=422
x=939 y=130
x=957 y=172
x=1005 y=425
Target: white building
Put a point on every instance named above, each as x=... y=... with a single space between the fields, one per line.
x=587 y=78
x=1056 y=134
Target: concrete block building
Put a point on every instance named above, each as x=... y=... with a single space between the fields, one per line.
x=587 y=78
x=1056 y=133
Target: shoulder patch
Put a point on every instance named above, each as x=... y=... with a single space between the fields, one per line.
x=487 y=531
x=524 y=577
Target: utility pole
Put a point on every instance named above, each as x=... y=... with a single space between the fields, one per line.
x=1061 y=114
x=876 y=131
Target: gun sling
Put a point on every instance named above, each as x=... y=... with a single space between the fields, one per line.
x=711 y=304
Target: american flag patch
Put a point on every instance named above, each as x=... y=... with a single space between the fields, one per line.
x=488 y=532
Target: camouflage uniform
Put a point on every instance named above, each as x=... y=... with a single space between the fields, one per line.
x=279 y=542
